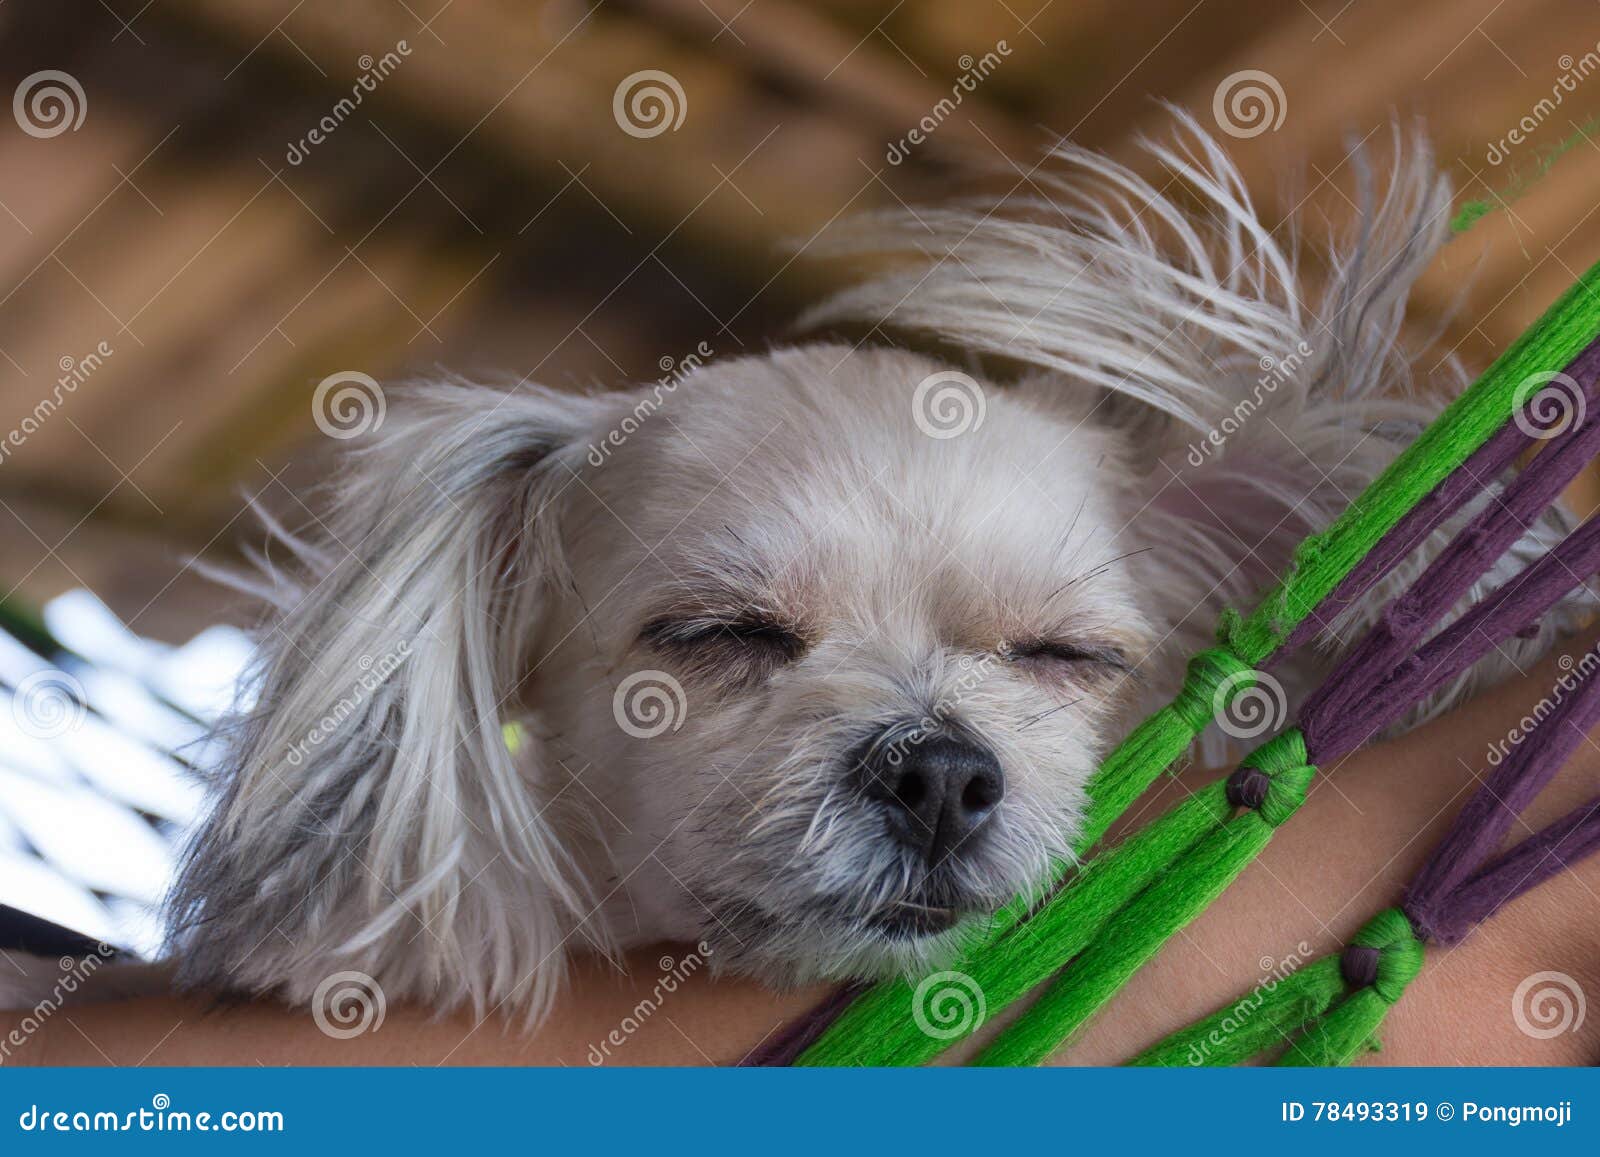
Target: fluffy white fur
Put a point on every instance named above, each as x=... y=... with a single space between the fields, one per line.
x=1169 y=298
x=526 y=554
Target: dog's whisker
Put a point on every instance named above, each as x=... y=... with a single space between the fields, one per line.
x=1043 y=715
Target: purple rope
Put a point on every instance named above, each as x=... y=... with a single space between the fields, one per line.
x=1334 y=728
x=1536 y=859
x=1510 y=610
x=1404 y=622
x=1480 y=469
x=1452 y=891
x=799 y=1034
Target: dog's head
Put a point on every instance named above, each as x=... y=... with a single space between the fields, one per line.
x=837 y=642
x=809 y=655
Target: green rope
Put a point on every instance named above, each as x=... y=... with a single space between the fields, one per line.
x=1214 y=679
x=879 y=1021
x=1185 y=888
x=1351 y=1027
x=1255 y=1023
x=1322 y=560
x=1471 y=212
x=1263 y=1021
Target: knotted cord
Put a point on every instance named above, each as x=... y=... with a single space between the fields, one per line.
x=1340 y=1000
x=1357 y=702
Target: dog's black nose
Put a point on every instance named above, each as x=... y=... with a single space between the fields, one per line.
x=938 y=790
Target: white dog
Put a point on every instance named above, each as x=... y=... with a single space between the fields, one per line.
x=810 y=654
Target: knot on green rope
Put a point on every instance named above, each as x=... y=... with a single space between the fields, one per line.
x=1273 y=779
x=1214 y=679
x=1385 y=955
x=1229 y=625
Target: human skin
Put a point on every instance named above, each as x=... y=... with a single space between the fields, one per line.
x=1368 y=824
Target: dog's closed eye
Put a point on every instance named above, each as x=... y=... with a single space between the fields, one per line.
x=1057 y=656
x=743 y=646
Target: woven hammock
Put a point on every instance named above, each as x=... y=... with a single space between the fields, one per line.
x=1095 y=923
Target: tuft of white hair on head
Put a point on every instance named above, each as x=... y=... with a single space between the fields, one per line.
x=370 y=815
x=1258 y=398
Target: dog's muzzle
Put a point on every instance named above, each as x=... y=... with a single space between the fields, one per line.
x=935 y=790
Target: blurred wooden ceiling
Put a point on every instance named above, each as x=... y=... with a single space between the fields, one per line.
x=482 y=208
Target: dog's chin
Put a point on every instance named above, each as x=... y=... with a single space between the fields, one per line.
x=834 y=939
x=909 y=921
x=811 y=952
x=931 y=910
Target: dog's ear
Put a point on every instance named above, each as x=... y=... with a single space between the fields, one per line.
x=371 y=781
